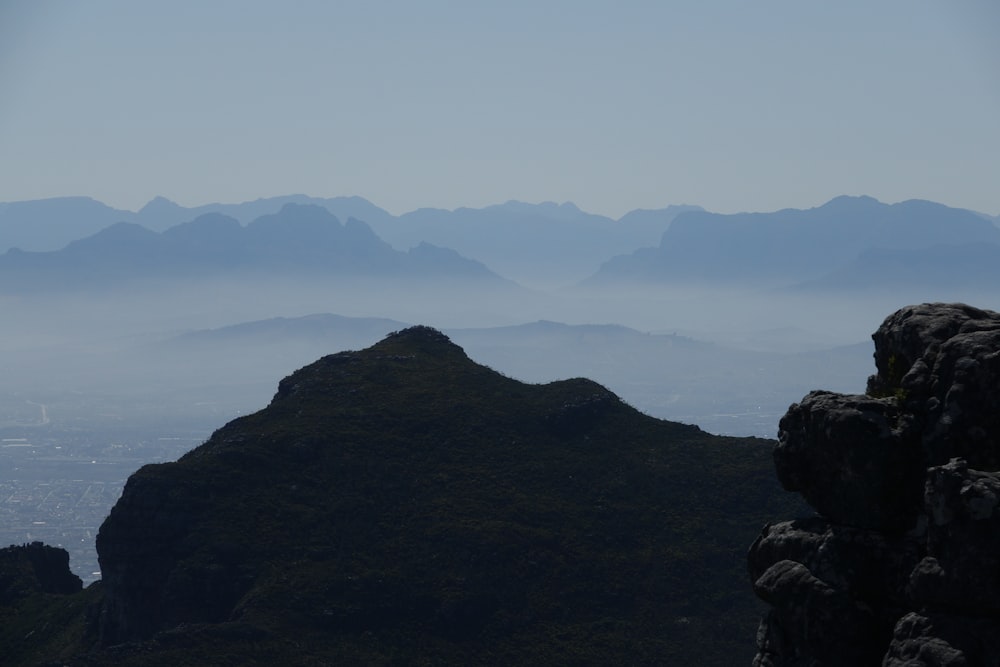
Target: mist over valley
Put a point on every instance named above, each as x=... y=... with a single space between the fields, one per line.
x=134 y=343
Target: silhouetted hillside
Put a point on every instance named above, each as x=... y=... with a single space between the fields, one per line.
x=404 y=505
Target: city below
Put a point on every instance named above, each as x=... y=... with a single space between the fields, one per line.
x=61 y=477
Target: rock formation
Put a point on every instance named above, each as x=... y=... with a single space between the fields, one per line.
x=35 y=568
x=902 y=564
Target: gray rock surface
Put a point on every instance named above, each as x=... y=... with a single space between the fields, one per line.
x=902 y=565
x=942 y=361
x=961 y=569
x=853 y=458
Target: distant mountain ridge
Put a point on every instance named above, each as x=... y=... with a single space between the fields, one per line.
x=964 y=266
x=722 y=389
x=553 y=245
x=300 y=240
x=540 y=243
x=50 y=224
x=545 y=244
x=794 y=246
x=160 y=213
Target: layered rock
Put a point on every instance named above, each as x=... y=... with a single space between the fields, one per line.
x=902 y=564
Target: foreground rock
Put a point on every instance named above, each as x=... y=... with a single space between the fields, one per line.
x=902 y=565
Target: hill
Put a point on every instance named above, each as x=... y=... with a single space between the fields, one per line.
x=405 y=505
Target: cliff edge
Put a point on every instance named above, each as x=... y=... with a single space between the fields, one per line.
x=902 y=564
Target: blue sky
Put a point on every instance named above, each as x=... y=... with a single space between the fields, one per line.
x=733 y=105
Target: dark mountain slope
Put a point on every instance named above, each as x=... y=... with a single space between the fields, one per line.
x=404 y=505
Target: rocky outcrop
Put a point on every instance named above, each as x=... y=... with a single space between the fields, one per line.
x=35 y=568
x=902 y=564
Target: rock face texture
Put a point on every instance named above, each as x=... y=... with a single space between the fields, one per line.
x=902 y=564
x=35 y=568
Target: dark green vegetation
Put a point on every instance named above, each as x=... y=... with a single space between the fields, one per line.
x=404 y=505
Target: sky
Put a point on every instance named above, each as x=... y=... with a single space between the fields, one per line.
x=734 y=105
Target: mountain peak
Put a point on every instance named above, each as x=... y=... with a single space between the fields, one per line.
x=853 y=202
x=303 y=210
x=546 y=207
x=406 y=493
x=422 y=338
x=159 y=205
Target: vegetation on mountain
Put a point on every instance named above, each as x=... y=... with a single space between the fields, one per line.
x=404 y=505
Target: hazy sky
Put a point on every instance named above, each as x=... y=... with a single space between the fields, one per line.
x=734 y=105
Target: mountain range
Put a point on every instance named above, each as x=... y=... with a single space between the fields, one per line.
x=182 y=316
x=303 y=241
x=49 y=224
x=847 y=243
x=534 y=243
